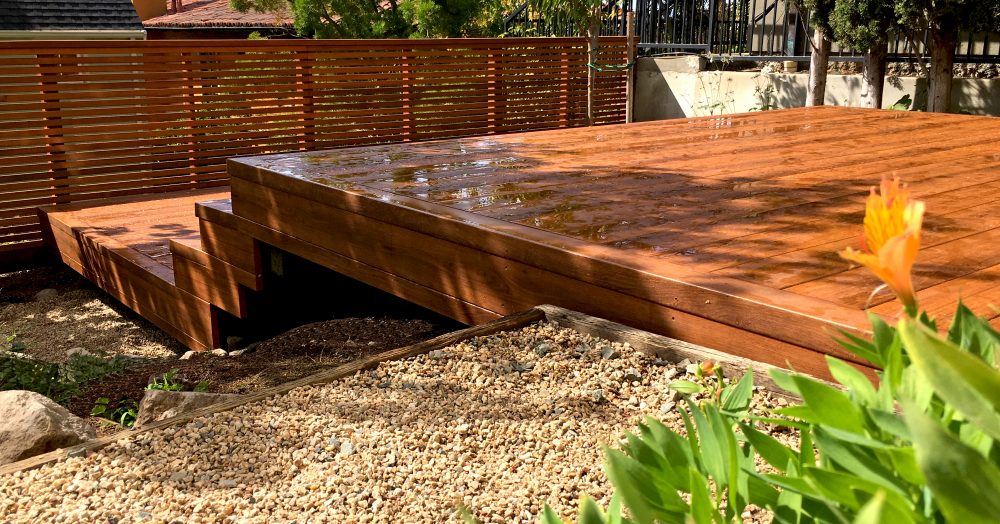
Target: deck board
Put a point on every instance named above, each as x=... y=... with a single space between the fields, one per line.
x=734 y=219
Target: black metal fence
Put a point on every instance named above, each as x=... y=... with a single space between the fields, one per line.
x=738 y=29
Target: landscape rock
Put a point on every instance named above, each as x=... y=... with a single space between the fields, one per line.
x=46 y=295
x=71 y=352
x=610 y=353
x=159 y=405
x=219 y=352
x=32 y=424
x=632 y=375
x=187 y=355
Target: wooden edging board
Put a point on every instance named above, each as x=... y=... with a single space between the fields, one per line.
x=664 y=347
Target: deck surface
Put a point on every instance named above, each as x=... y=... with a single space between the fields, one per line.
x=750 y=206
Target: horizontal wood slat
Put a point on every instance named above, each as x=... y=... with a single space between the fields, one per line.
x=90 y=120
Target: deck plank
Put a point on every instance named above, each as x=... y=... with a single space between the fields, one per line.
x=734 y=219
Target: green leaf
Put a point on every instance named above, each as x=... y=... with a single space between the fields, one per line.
x=823 y=404
x=590 y=513
x=872 y=512
x=858 y=461
x=548 y=516
x=686 y=387
x=702 y=509
x=647 y=497
x=964 y=483
x=714 y=454
x=770 y=449
x=737 y=398
x=857 y=384
x=963 y=380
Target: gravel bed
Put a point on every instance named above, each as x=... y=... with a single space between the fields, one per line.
x=52 y=311
x=500 y=424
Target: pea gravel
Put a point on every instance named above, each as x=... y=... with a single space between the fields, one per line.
x=500 y=424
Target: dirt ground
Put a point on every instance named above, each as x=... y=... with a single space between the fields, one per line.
x=76 y=314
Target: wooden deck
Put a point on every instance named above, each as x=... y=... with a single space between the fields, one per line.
x=146 y=252
x=721 y=231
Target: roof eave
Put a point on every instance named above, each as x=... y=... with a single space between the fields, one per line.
x=73 y=34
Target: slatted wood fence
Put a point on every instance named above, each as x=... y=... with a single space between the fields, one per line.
x=89 y=120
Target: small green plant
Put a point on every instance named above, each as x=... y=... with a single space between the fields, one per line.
x=903 y=104
x=60 y=382
x=920 y=444
x=167 y=382
x=764 y=93
x=201 y=387
x=124 y=413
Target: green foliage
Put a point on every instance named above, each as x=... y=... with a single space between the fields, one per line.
x=393 y=19
x=859 y=458
x=167 y=382
x=60 y=382
x=123 y=414
x=861 y=24
x=903 y=104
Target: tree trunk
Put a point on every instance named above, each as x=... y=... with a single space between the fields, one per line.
x=592 y=44
x=939 y=76
x=873 y=77
x=818 y=63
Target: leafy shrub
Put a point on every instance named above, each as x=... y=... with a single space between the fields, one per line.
x=171 y=382
x=920 y=444
x=124 y=414
x=60 y=382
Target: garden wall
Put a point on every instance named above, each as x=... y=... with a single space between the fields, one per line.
x=676 y=88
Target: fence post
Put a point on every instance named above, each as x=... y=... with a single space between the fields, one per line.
x=711 y=25
x=406 y=97
x=630 y=67
x=308 y=109
x=54 y=134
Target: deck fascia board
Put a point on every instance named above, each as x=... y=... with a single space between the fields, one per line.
x=752 y=307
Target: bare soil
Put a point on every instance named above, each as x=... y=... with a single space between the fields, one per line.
x=83 y=316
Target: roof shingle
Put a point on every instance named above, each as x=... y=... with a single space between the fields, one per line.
x=217 y=13
x=41 y=15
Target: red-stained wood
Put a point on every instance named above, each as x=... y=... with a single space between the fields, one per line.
x=647 y=221
x=112 y=119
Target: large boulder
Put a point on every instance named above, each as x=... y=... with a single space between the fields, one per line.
x=32 y=424
x=159 y=405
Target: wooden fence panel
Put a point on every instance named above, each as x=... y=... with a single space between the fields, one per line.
x=89 y=120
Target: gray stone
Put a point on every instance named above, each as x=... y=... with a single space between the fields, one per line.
x=543 y=348
x=46 y=295
x=228 y=483
x=632 y=375
x=347 y=448
x=249 y=349
x=523 y=367
x=597 y=395
x=219 y=352
x=187 y=355
x=32 y=424
x=670 y=373
x=180 y=476
x=72 y=352
x=77 y=453
x=667 y=407
x=610 y=353
x=581 y=348
x=159 y=405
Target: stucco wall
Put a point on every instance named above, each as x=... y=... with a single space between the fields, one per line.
x=674 y=88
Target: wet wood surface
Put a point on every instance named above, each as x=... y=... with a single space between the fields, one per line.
x=735 y=219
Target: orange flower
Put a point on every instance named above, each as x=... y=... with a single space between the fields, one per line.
x=891 y=240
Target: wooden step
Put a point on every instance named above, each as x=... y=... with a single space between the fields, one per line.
x=124 y=247
x=212 y=279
